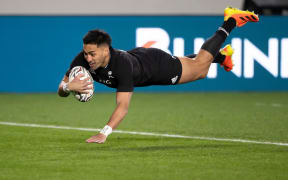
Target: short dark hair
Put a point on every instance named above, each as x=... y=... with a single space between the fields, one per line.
x=97 y=37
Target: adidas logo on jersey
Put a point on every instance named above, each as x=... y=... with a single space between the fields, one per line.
x=174 y=79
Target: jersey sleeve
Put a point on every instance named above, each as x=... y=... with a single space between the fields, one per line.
x=79 y=60
x=125 y=75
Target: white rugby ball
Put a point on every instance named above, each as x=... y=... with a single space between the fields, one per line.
x=75 y=72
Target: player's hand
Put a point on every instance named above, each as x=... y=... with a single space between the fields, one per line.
x=81 y=86
x=99 y=138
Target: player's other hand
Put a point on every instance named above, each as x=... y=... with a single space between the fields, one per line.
x=99 y=138
x=78 y=85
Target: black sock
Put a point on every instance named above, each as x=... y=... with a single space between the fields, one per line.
x=229 y=25
x=191 y=55
x=214 y=43
x=219 y=58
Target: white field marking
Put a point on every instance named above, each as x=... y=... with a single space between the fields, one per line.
x=277 y=105
x=146 y=133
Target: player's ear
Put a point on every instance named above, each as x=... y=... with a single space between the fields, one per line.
x=106 y=50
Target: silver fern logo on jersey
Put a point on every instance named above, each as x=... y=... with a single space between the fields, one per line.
x=110 y=74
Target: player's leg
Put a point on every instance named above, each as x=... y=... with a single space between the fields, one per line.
x=198 y=69
x=224 y=57
x=195 y=69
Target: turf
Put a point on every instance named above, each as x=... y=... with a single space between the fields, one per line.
x=41 y=153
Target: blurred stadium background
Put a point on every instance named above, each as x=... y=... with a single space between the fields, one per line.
x=49 y=34
x=38 y=40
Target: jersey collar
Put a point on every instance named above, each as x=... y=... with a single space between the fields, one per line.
x=112 y=53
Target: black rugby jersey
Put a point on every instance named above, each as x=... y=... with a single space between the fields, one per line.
x=135 y=68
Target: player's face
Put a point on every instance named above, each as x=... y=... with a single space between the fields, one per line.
x=95 y=55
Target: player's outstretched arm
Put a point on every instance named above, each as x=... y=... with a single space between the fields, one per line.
x=122 y=104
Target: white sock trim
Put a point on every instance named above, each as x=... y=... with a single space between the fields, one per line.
x=224 y=30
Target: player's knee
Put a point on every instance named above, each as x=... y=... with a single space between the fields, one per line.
x=203 y=75
x=203 y=71
x=198 y=75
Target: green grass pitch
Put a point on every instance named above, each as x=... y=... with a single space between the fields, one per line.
x=43 y=153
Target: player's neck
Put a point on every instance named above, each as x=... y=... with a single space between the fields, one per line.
x=106 y=61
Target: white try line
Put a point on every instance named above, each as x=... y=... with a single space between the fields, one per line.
x=146 y=134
